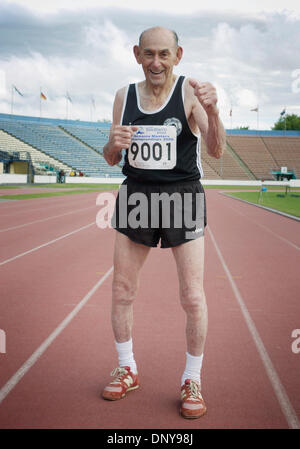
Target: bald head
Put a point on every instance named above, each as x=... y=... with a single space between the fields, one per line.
x=158 y=52
x=156 y=29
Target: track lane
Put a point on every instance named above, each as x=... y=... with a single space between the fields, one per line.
x=17 y=211
x=267 y=276
x=48 y=286
x=24 y=238
x=275 y=224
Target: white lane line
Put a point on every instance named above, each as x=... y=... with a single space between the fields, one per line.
x=266 y=228
x=283 y=399
x=15 y=379
x=276 y=235
x=45 y=206
x=46 y=244
x=45 y=219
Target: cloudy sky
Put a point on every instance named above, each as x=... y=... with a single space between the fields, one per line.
x=248 y=49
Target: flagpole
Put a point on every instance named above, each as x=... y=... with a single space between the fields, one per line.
x=40 y=102
x=92 y=106
x=284 y=120
x=257 y=119
x=12 y=100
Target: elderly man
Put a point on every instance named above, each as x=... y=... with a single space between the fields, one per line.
x=146 y=117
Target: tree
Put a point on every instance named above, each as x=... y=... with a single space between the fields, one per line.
x=288 y=122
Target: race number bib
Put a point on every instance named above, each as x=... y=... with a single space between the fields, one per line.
x=153 y=147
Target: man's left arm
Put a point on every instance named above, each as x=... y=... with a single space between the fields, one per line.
x=206 y=115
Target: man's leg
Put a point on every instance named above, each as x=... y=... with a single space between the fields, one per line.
x=128 y=260
x=189 y=259
x=190 y=267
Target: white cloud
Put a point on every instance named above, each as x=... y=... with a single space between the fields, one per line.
x=249 y=56
x=273 y=45
x=169 y=6
x=113 y=42
x=245 y=97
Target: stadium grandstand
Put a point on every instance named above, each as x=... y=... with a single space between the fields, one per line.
x=38 y=146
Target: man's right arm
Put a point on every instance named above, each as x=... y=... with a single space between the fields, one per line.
x=119 y=136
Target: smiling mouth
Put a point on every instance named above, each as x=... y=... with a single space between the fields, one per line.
x=156 y=73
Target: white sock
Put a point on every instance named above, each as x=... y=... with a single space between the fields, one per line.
x=125 y=355
x=192 y=368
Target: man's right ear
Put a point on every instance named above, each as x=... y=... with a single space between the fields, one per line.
x=136 y=51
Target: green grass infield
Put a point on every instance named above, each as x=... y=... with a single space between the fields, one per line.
x=288 y=203
x=27 y=196
x=70 y=189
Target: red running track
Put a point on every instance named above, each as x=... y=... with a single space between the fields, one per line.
x=55 y=274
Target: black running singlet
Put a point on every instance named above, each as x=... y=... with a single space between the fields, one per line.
x=188 y=155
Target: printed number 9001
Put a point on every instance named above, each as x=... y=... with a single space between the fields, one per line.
x=147 y=152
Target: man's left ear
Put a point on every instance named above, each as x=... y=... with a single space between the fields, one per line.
x=179 y=53
x=136 y=51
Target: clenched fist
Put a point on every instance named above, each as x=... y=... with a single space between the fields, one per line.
x=207 y=96
x=120 y=136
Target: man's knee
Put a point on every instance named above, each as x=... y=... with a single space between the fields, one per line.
x=123 y=290
x=193 y=301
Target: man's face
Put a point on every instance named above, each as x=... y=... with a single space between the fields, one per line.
x=158 y=53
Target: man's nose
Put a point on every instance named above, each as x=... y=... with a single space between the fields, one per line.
x=156 y=61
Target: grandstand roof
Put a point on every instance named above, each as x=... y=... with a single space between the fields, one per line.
x=55 y=121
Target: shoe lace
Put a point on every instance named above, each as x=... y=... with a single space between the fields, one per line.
x=194 y=389
x=119 y=372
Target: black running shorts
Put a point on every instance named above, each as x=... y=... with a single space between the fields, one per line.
x=173 y=212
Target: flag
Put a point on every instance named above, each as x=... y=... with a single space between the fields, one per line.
x=93 y=102
x=255 y=109
x=282 y=112
x=18 y=91
x=43 y=96
x=69 y=98
x=230 y=113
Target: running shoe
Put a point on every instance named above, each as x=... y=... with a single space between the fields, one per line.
x=192 y=403
x=123 y=382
